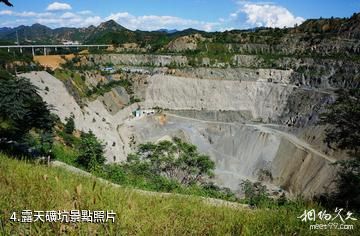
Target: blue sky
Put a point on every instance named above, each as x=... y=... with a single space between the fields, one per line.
x=209 y=15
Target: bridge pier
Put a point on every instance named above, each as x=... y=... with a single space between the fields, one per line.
x=8 y=49
x=44 y=51
x=21 y=51
x=33 y=51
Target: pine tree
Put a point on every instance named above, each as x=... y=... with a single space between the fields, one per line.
x=344 y=133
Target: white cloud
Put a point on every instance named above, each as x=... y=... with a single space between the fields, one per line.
x=25 y=14
x=86 y=12
x=58 y=6
x=92 y=20
x=247 y=15
x=69 y=15
x=33 y=14
x=69 y=19
x=83 y=19
x=12 y=23
x=266 y=14
x=49 y=21
x=6 y=12
x=153 y=22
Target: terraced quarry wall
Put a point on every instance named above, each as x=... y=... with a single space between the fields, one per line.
x=263 y=100
x=244 y=151
x=217 y=116
x=139 y=59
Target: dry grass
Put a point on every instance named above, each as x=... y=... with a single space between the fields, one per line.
x=52 y=61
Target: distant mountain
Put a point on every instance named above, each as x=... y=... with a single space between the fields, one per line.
x=106 y=32
x=113 y=33
x=110 y=25
x=167 y=31
x=36 y=33
x=42 y=34
x=4 y=30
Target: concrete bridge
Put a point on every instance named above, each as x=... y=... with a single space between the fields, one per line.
x=45 y=47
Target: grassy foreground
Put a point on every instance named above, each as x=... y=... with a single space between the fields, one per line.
x=36 y=187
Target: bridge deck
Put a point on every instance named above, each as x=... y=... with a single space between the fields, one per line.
x=46 y=46
x=54 y=46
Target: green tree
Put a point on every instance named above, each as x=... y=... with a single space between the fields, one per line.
x=21 y=110
x=344 y=133
x=46 y=142
x=175 y=160
x=255 y=193
x=344 y=116
x=70 y=124
x=91 y=152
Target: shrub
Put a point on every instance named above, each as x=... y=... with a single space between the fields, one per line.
x=70 y=125
x=91 y=152
x=255 y=193
x=176 y=160
x=344 y=133
x=22 y=110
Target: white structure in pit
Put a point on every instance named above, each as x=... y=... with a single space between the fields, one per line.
x=146 y=112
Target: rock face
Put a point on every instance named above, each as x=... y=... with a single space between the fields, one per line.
x=185 y=43
x=92 y=117
x=115 y=100
x=247 y=60
x=140 y=59
x=251 y=100
x=240 y=74
x=249 y=121
x=305 y=71
x=243 y=151
x=263 y=100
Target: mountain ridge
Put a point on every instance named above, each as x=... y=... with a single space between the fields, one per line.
x=111 y=32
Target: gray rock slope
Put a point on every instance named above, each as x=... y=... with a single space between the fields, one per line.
x=92 y=117
x=263 y=100
x=244 y=151
x=220 y=115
